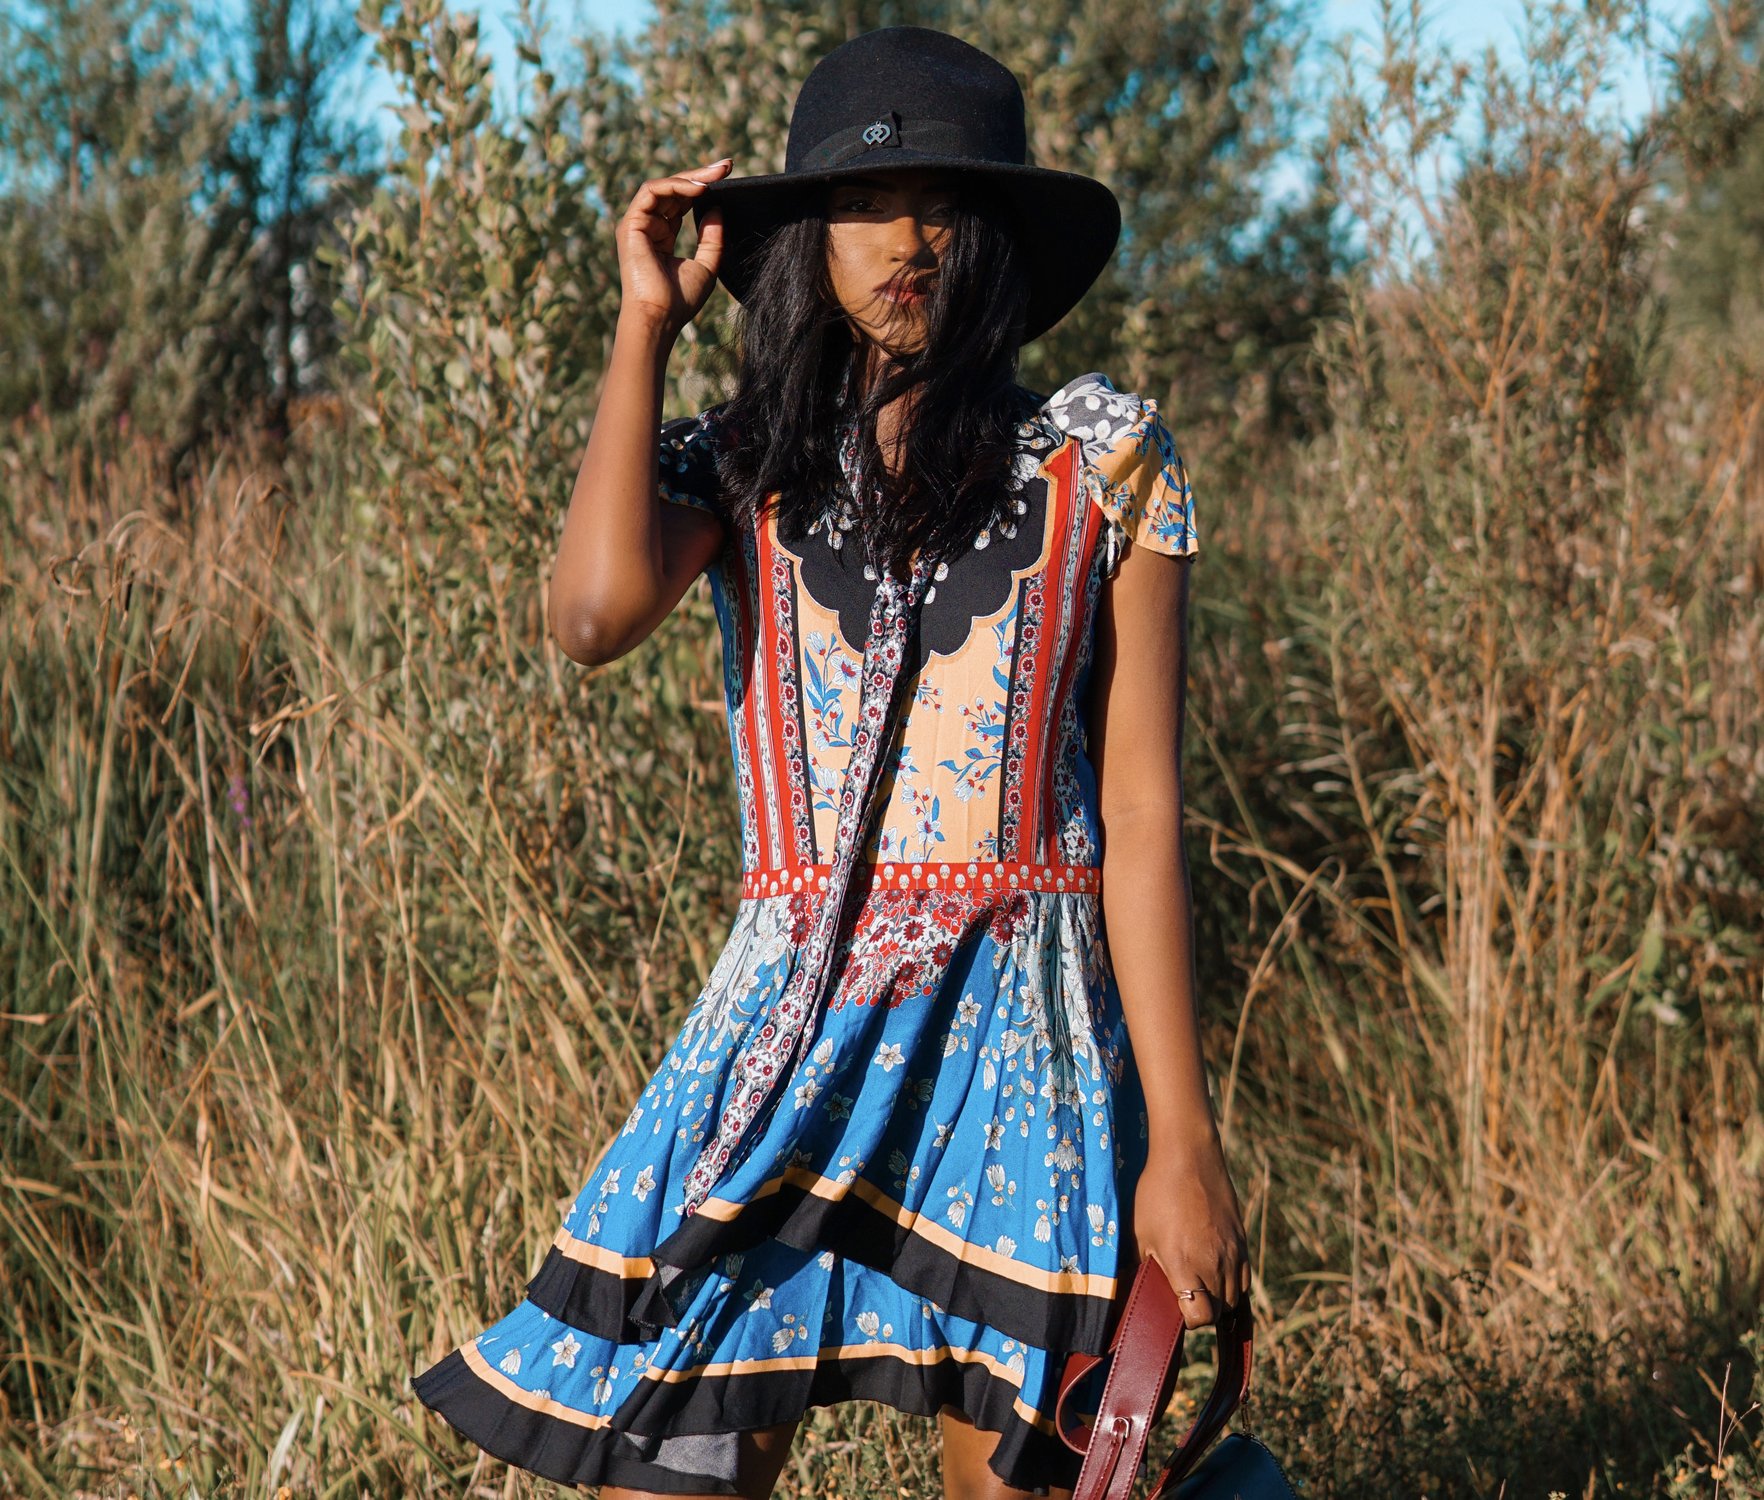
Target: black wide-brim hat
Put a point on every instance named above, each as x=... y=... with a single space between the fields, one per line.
x=912 y=97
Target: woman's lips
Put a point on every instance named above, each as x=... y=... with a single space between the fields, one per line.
x=907 y=293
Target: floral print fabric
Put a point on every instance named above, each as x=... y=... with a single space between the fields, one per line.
x=924 y=1203
x=1134 y=473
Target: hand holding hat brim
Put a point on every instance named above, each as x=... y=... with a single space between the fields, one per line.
x=907 y=97
x=671 y=287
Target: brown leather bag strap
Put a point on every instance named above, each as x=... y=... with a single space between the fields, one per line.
x=1144 y=1354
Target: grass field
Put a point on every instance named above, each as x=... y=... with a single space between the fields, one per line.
x=336 y=950
x=341 y=915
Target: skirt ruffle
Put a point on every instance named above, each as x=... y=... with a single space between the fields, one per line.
x=930 y=1216
x=763 y=1337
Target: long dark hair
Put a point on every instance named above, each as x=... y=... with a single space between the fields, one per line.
x=780 y=429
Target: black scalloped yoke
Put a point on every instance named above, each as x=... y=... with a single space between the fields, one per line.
x=976 y=587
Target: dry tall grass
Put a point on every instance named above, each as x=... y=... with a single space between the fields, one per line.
x=344 y=916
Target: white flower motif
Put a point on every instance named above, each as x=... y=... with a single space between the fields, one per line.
x=1004 y=1244
x=869 y=1324
x=826 y=1260
x=510 y=1363
x=994 y=1134
x=611 y=1185
x=566 y=1350
x=760 y=1295
x=1093 y=410
x=781 y=1340
x=1063 y=1157
x=644 y=1184
x=824 y=1052
x=1094 y=1212
x=968 y=1011
x=805 y=1093
x=1069 y=1263
x=942 y=1136
x=995 y=1176
x=1043 y=1229
x=888 y=1055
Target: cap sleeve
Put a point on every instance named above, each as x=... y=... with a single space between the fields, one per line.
x=1129 y=467
x=687 y=470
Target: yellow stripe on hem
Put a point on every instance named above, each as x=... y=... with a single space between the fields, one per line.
x=860 y=1351
x=549 y=1406
x=533 y=1400
x=1080 y=1283
x=590 y=1254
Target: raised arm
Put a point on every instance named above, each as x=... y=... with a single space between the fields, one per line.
x=625 y=558
x=1185 y=1212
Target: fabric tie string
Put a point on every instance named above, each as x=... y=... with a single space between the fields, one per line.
x=766 y=1054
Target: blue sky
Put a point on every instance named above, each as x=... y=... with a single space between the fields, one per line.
x=1465 y=26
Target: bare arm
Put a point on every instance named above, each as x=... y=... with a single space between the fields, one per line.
x=1141 y=663
x=626 y=557
x=1185 y=1212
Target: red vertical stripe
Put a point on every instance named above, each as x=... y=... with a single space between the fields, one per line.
x=1059 y=508
x=764 y=737
x=783 y=831
x=756 y=673
x=1071 y=598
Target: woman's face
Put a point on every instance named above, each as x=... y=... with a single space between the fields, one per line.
x=886 y=235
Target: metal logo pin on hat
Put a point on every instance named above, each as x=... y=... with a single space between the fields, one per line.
x=911 y=97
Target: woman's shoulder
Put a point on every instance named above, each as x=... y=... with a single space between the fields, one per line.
x=699 y=429
x=688 y=457
x=1133 y=470
x=1104 y=418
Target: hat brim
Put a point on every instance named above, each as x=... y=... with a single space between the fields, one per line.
x=1071 y=223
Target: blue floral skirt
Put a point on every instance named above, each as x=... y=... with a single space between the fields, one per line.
x=930 y=1215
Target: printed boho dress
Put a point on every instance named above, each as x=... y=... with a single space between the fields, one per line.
x=888 y=1154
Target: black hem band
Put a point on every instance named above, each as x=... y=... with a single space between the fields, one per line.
x=1064 y=1322
x=1025 y=1457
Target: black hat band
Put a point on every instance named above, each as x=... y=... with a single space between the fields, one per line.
x=853 y=141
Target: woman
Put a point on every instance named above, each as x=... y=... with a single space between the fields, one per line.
x=924 y=1118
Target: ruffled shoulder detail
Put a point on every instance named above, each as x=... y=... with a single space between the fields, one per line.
x=687 y=466
x=1128 y=465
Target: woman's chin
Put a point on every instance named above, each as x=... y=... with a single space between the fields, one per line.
x=907 y=338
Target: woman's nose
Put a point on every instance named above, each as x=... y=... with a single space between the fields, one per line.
x=912 y=232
